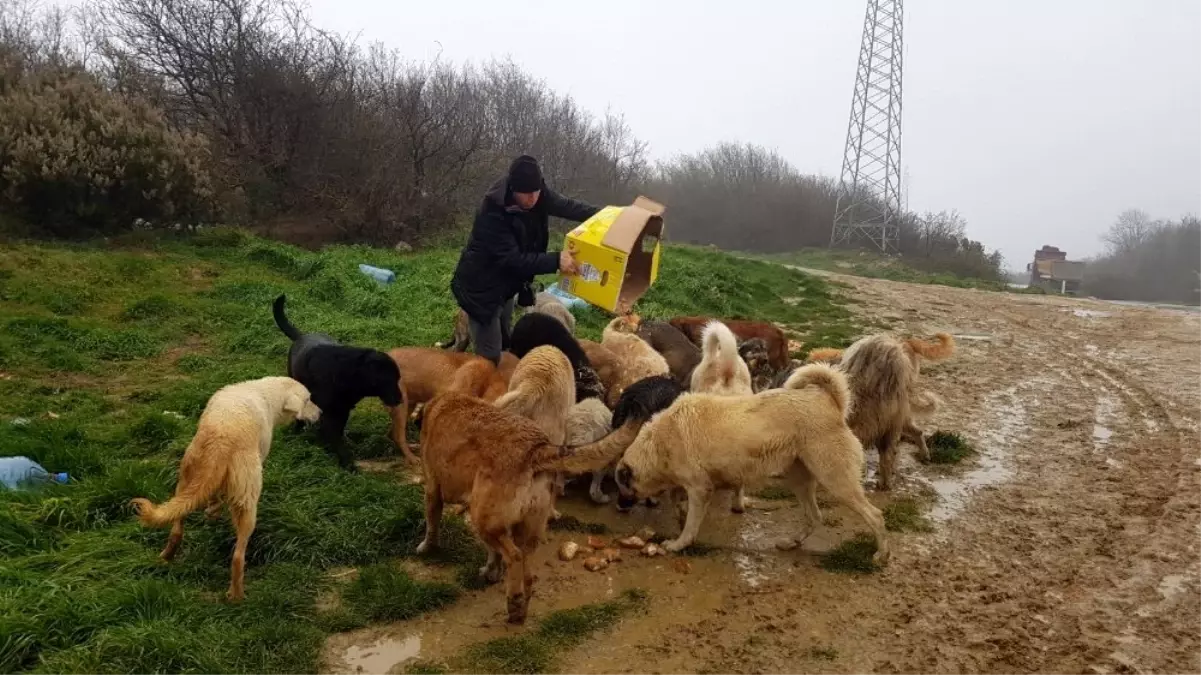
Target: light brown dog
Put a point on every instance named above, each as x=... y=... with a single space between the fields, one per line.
x=425 y=372
x=777 y=342
x=503 y=467
x=883 y=371
x=606 y=365
x=225 y=459
x=636 y=359
x=704 y=443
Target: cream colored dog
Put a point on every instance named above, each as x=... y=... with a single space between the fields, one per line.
x=225 y=458
x=704 y=442
x=636 y=359
x=543 y=391
x=722 y=372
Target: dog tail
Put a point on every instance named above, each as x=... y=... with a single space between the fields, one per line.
x=824 y=354
x=720 y=347
x=189 y=496
x=933 y=352
x=282 y=321
x=825 y=377
x=591 y=457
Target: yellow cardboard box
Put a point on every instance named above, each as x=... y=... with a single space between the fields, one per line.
x=618 y=254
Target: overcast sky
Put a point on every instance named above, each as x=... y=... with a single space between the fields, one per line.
x=1039 y=121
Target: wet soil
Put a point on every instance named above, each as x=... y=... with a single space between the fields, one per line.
x=1069 y=543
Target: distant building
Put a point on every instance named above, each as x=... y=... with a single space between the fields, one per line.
x=1053 y=271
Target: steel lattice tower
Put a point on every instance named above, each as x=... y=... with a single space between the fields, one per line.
x=869 y=188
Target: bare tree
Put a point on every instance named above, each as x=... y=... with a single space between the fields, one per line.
x=1132 y=228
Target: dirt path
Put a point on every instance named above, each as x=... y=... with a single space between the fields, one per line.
x=1069 y=545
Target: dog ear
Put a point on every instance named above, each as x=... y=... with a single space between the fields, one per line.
x=294 y=403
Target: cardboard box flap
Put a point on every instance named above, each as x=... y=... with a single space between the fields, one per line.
x=644 y=215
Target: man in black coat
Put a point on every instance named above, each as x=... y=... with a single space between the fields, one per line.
x=507 y=249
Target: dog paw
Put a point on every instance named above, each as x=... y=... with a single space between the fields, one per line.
x=675 y=545
x=517 y=605
x=881 y=557
x=738 y=507
x=555 y=515
x=425 y=547
x=490 y=573
x=599 y=497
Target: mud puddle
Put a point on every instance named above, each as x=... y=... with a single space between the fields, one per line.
x=382 y=655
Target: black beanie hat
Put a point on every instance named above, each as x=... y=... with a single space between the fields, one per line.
x=524 y=175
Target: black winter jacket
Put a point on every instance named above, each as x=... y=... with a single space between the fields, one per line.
x=507 y=248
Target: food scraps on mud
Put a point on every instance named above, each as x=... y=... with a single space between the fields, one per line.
x=597 y=542
x=611 y=554
x=651 y=550
x=595 y=563
x=568 y=550
x=631 y=542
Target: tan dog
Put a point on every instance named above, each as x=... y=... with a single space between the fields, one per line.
x=543 y=390
x=704 y=443
x=635 y=358
x=425 y=372
x=589 y=421
x=225 y=459
x=503 y=467
x=722 y=372
x=883 y=373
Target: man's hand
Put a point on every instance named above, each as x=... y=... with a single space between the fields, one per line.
x=567 y=263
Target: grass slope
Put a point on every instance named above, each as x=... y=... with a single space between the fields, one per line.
x=108 y=354
x=866 y=264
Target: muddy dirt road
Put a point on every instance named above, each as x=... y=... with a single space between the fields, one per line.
x=1069 y=544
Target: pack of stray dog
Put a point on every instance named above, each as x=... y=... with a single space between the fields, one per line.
x=677 y=409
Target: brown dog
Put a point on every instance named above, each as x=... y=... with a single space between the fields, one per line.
x=503 y=467
x=225 y=459
x=777 y=342
x=681 y=355
x=606 y=365
x=426 y=372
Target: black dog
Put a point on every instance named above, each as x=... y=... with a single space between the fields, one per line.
x=641 y=401
x=338 y=377
x=535 y=330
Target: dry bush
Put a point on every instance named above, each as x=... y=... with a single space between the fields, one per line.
x=76 y=159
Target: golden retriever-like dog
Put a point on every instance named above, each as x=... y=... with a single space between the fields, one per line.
x=703 y=443
x=722 y=372
x=503 y=467
x=883 y=372
x=225 y=460
x=425 y=372
x=636 y=359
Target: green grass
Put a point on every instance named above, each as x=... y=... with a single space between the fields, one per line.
x=536 y=651
x=853 y=555
x=948 y=447
x=110 y=352
x=906 y=515
x=867 y=264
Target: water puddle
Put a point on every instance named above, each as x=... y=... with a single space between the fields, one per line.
x=1091 y=313
x=973 y=337
x=382 y=655
x=995 y=441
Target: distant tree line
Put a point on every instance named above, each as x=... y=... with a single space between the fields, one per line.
x=244 y=111
x=1148 y=260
